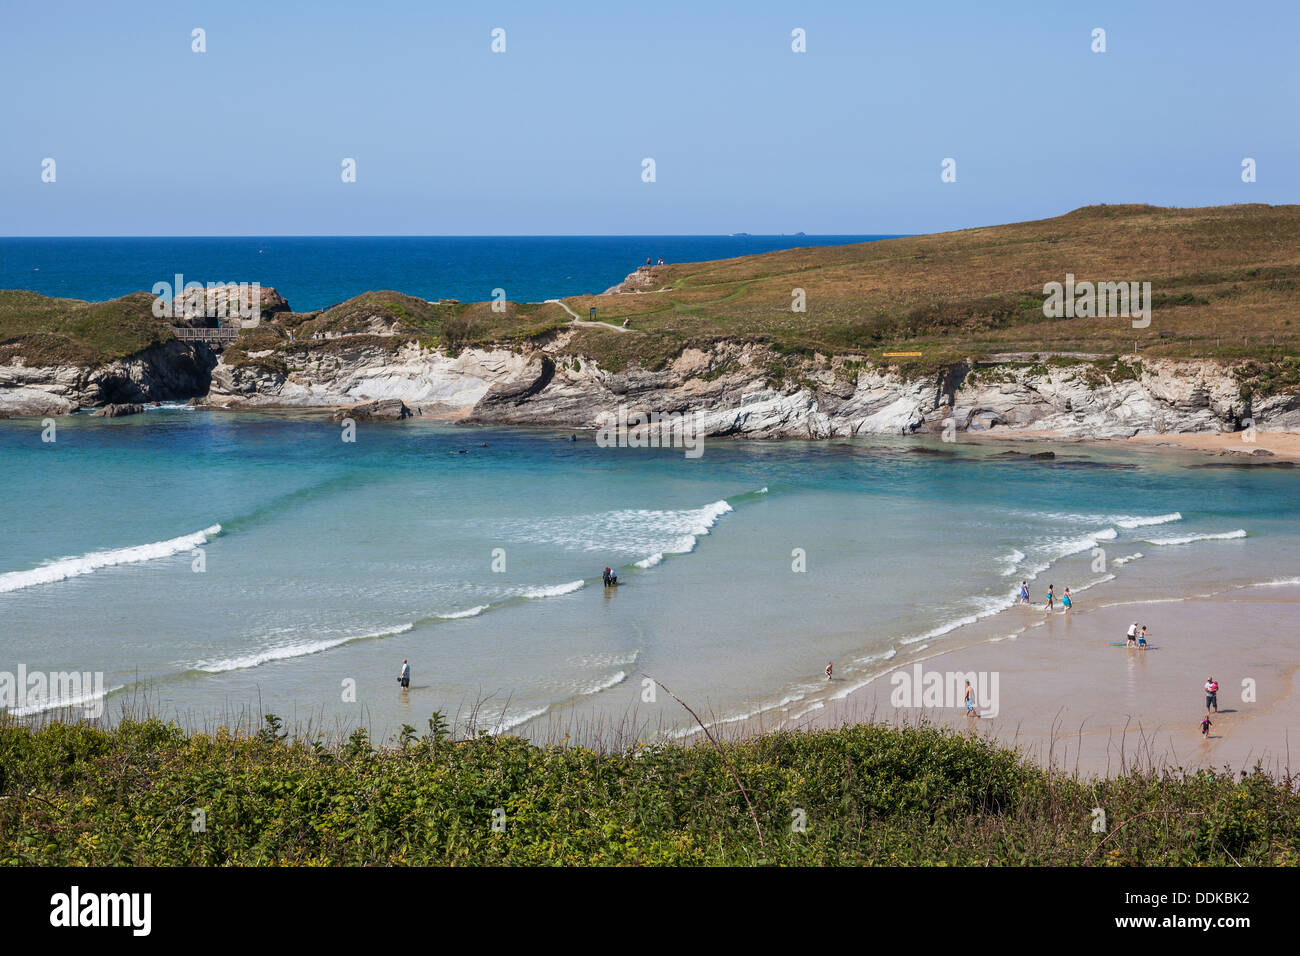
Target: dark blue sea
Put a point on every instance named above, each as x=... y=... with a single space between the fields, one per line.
x=316 y=272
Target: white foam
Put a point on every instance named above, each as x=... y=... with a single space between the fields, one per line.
x=989 y=606
x=888 y=655
x=1012 y=561
x=509 y=723
x=1134 y=522
x=651 y=561
x=471 y=612
x=637 y=531
x=1188 y=539
x=64 y=568
x=1276 y=583
x=1063 y=548
x=289 y=651
x=553 y=591
x=1091 y=584
x=604 y=684
x=59 y=703
x=1126 y=559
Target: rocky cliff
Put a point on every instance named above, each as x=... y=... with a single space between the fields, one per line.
x=173 y=371
x=733 y=388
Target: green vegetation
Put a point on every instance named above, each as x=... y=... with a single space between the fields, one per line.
x=72 y=794
x=1271 y=376
x=1223 y=282
x=48 y=331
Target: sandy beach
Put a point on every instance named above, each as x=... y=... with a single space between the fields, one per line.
x=1279 y=444
x=1065 y=697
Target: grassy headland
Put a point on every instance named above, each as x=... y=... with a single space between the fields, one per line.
x=867 y=794
x=1224 y=287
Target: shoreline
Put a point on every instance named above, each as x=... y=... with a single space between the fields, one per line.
x=1068 y=701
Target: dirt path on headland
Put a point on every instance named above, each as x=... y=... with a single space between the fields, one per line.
x=578 y=321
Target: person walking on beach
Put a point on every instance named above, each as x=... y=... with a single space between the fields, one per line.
x=1211 y=696
x=1024 y=592
x=1205 y=727
x=404 y=678
x=970 y=702
x=1050 y=605
x=830 y=666
x=1065 y=601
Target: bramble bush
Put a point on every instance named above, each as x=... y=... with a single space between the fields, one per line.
x=74 y=794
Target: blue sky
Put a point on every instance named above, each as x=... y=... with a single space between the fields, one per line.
x=548 y=138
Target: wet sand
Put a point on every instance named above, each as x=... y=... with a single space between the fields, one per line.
x=1067 y=699
x=1284 y=445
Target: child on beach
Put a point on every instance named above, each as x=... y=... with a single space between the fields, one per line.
x=1205 y=727
x=1065 y=601
x=1142 y=637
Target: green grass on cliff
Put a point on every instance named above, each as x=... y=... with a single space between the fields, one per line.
x=1225 y=283
x=47 y=331
x=867 y=794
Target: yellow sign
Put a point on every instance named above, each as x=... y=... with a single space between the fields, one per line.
x=901 y=354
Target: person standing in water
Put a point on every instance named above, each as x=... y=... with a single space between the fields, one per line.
x=404 y=678
x=830 y=666
x=1211 y=696
x=1050 y=605
x=1065 y=600
x=1024 y=592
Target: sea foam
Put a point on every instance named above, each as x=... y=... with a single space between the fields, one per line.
x=64 y=568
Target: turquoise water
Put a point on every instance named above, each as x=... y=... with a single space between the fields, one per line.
x=325 y=562
x=315 y=272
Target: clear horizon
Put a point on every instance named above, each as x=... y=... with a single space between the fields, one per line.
x=249 y=137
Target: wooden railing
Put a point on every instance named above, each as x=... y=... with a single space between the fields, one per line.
x=210 y=336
